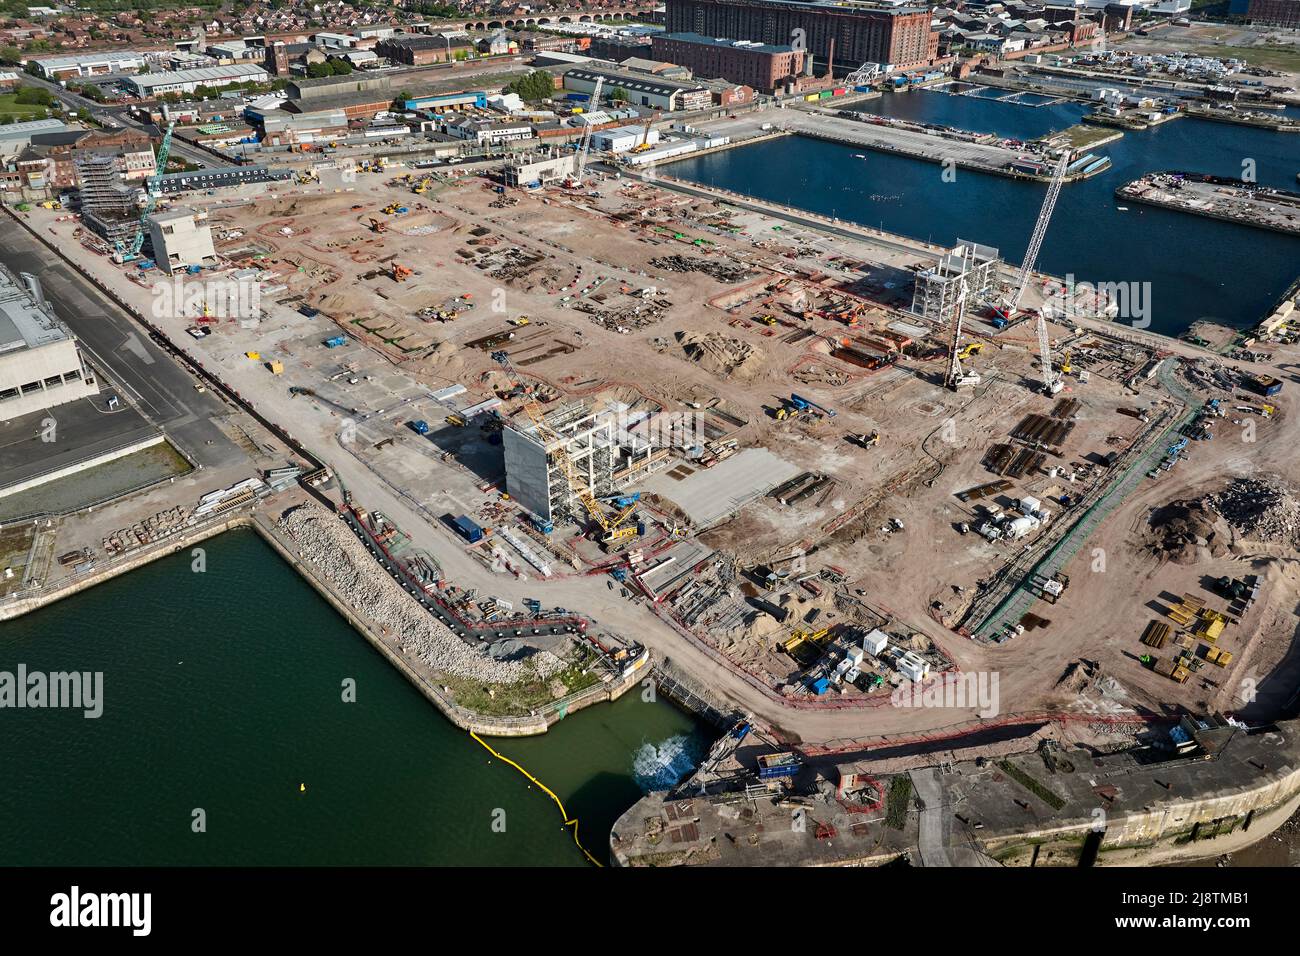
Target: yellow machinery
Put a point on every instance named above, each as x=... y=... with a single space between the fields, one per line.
x=1066 y=368
x=614 y=528
x=768 y=319
x=391 y=209
x=798 y=637
x=974 y=348
x=423 y=186
x=455 y=420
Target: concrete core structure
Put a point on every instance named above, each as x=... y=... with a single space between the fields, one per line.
x=40 y=364
x=180 y=237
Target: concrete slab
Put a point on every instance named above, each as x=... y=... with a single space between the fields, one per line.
x=711 y=494
x=83 y=431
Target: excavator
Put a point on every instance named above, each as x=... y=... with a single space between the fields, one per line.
x=401 y=273
x=377 y=226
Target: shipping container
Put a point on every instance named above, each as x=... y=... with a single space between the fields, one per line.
x=812 y=97
x=824 y=95
x=772 y=766
x=840 y=90
x=468 y=528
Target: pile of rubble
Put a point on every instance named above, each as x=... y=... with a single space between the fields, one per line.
x=146 y=531
x=1186 y=532
x=724 y=270
x=721 y=355
x=1260 y=508
x=333 y=551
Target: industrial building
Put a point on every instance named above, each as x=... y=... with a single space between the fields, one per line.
x=40 y=363
x=539 y=168
x=187 y=81
x=762 y=66
x=592 y=449
x=88 y=64
x=423 y=50
x=851 y=32
x=641 y=89
x=622 y=138
x=181 y=237
x=15 y=137
x=934 y=297
x=1284 y=14
x=210 y=177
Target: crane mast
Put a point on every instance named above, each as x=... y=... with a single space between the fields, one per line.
x=956 y=376
x=129 y=252
x=1051 y=384
x=584 y=146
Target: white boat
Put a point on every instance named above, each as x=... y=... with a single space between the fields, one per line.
x=1122 y=208
x=859 y=155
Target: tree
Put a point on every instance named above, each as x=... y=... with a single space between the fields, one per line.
x=535 y=87
x=10 y=54
x=341 y=67
x=618 y=95
x=33 y=96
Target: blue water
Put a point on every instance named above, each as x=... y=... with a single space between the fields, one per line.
x=1198 y=268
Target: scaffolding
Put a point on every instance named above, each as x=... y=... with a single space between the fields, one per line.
x=109 y=202
x=573 y=453
x=968 y=264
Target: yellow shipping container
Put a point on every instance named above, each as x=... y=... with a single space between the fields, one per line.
x=813 y=97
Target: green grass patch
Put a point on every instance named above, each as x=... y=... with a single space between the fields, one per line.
x=897 y=801
x=9 y=107
x=1030 y=784
x=1274 y=57
x=526 y=696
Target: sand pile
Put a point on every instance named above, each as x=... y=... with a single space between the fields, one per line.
x=1186 y=532
x=721 y=355
x=1262 y=509
x=1078 y=676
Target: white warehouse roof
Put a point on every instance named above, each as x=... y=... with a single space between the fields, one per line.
x=236 y=71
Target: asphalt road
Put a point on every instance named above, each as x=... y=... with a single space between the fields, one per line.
x=147 y=376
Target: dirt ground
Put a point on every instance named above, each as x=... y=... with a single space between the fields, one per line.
x=633 y=293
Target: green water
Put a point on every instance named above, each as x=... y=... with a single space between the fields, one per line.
x=222 y=691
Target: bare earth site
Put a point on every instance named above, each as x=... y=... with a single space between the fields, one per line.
x=960 y=561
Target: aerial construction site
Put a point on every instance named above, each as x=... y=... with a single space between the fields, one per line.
x=794 y=467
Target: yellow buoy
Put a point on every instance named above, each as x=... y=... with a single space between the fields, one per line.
x=302 y=788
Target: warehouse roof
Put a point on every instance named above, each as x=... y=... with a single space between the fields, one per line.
x=638 y=82
x=749 y=46
x=247 y=71
x=106 y=56
x=24 y=324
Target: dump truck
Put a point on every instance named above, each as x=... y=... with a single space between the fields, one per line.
x=420 y=427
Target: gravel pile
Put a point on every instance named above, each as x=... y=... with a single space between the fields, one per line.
x=333 y=550
x=1261 y=508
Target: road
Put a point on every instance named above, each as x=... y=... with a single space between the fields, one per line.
x=159 y=388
